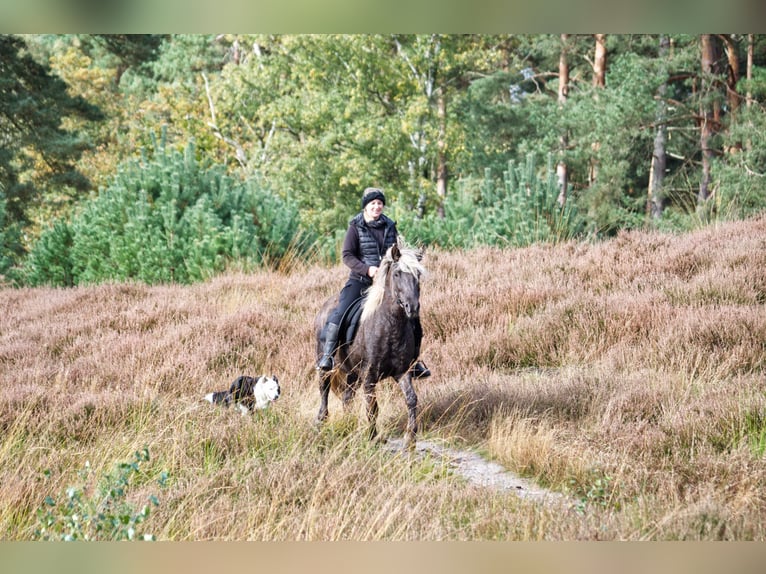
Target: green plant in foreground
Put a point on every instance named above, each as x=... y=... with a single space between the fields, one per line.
x=105 y=514
x=597 y=491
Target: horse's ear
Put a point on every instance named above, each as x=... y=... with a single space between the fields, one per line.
x=395 y=253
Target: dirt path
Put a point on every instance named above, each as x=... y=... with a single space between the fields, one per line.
x=481 y=472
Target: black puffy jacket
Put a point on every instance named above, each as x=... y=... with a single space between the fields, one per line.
x=365 y=244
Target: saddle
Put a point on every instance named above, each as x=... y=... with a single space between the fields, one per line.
x=350 y=322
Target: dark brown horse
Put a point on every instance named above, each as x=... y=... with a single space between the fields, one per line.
x=384 y=345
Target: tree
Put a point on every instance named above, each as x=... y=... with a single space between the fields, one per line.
x=707 y=114
x=739 y=175
x=166 y=218
x=319 y=117
x=608 y=131
x=438 y=68
x=659 y=155
x=134 y=51
x=9 y=241
x=563 y=92
x=39 y=153
x=599 y=82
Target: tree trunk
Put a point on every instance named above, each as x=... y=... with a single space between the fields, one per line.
x=706 y=117
x=441 y=149
x=732 y=77
x=733 y=73
x=599 y=82
x=599 y=62
x=750 y=52
x=659 y=157
x=749 y=76
x=561 y=166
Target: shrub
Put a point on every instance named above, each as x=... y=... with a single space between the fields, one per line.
x=50 y=260
x=104 y=515
x=10 y=245
x=518 y=210
x=166 y=218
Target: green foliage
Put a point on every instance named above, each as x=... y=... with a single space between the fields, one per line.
x=103 y=513
x=317 y=118
x=183 y=56
x=521 y=209
x=168 y=217
x=596 y=489
x=9 y=240
x=741 y=174
x=50 y=262
x=39 y=151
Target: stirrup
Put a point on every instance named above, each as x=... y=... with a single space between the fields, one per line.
x=325 y=363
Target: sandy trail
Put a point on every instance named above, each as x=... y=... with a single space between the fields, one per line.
x=481 y=472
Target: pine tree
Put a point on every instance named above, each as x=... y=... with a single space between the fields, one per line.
x=166 y=218
x=37 y=152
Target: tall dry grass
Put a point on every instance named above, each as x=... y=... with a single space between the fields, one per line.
x=627 y=374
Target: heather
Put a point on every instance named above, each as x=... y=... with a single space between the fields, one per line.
x=626 y=374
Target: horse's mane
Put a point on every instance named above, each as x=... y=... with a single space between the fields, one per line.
x=409 y=262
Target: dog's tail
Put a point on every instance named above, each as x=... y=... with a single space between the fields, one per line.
x=219 y=397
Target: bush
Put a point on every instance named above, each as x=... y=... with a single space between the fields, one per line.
x=740 y=175
x=10 y=244
x=166 y=218
x=518 y=210
x=105 y=515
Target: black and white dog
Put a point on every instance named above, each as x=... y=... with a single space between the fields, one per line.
x=248 y=393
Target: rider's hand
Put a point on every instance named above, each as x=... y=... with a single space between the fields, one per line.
x=372 y=270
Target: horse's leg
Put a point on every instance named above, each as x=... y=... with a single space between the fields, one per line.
x=370 y=382
x=324 y=395
x=352 y=383
x=411 y=399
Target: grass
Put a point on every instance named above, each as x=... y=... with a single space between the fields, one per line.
x=627 y=374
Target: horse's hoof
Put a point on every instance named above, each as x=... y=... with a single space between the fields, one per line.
x=408 y=442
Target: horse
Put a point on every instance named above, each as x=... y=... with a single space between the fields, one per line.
x=384 y=344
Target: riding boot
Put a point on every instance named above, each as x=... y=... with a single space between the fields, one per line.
x=420 y=371
x=330 y=342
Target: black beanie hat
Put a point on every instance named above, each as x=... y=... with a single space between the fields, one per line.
x=372 y=193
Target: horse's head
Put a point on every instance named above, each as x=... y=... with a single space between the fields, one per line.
x=398 y=277
x=404 y=279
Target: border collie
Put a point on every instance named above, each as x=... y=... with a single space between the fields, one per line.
x=248 y=393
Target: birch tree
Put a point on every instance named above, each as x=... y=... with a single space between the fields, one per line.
x=599 y=82
x=706 y=116
x=659 y=157
x=563 y=92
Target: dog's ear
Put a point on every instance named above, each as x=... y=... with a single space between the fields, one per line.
x=276 y=380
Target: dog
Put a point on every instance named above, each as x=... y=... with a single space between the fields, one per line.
x=248 y=393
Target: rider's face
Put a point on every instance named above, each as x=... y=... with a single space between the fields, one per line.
x=373 y=209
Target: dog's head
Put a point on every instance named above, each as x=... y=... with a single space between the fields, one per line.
x=266 y=390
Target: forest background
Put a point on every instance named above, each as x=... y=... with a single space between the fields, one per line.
x=175 y=157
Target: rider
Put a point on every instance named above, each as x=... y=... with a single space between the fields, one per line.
x=370 y=233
